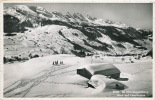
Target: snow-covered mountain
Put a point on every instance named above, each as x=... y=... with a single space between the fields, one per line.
x=37 y=15
x=56 y=32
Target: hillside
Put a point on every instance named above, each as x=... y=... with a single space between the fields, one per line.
x=32 y=30
x=44 y=51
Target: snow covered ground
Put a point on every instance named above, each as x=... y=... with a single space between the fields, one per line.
x=56 y=38
x=38 y=77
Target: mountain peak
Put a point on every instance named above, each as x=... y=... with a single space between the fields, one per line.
x=82 y=33
x=91 y=18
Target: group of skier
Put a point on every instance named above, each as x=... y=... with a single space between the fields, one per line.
x=57 y=62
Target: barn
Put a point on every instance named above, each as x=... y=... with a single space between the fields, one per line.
x=109 y=70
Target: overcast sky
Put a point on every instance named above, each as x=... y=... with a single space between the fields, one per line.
x=135 y=15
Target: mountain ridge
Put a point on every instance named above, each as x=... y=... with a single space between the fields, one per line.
x=34 y=10
x=100 y=35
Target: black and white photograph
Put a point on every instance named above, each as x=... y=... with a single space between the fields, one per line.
x=57 y=50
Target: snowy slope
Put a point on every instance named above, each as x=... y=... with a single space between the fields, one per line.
x=54 y=33
x=40 y=78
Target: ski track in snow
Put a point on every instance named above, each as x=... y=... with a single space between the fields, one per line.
x=54 y=76
x=22 y=87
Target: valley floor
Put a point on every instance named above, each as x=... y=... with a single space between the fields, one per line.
x=39 y=77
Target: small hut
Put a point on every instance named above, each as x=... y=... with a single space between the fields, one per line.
x=102 y=69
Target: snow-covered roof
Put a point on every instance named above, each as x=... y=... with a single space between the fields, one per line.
x=99 y=68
